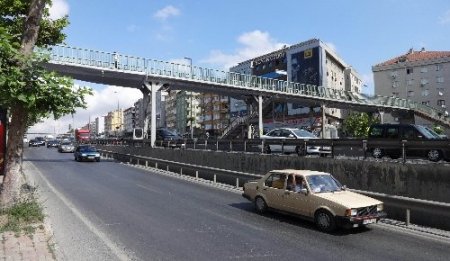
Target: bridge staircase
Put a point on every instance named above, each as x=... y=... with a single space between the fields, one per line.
x=235 y=127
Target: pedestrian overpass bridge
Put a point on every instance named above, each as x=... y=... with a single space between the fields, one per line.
x=150 y=76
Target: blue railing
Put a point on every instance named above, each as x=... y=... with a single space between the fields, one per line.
x=116 y=61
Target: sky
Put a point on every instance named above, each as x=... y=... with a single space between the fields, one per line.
x=220 y=34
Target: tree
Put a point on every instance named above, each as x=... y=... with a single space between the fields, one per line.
x=357 y=124
x=27 y=90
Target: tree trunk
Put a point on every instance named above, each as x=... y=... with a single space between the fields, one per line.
x=13 y=179
x=10 y=192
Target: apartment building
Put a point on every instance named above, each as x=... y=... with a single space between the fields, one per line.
x=310 y=62
x=114 y=123
x=215 y=113
x=421 y=76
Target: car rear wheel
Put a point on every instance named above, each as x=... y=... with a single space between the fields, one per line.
x=434 y=155
x=98 y=160
x=260 y=205
x=377 y=153
x=325 y=221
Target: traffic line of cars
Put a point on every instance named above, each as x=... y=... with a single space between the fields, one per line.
x=81 y=152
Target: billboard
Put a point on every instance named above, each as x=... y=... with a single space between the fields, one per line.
x=2 y=139
x=305 y=67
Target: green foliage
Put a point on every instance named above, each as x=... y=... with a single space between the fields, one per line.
x=23 y=80
x=21 y=216
x=357 y=124
x=14 y=12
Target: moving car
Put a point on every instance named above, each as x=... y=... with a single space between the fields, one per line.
x=292 y=133
x=396 y=133
x=317 y=196
x=52 y=144
x=36 y=142
x=86 y=152
x=66 y=146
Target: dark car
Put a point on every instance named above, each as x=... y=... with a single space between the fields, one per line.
x=86 y=152
x=395 y=134
x=168 y=138
x=66 y=146
x=52 y=144
x=36 y=142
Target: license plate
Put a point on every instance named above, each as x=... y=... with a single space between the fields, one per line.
x=91 y=157
x=369 y=221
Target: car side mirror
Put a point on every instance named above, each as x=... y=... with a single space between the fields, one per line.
x=291 y=136
x=344 y=187
x=304 y=191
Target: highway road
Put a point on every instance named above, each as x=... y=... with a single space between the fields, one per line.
x=111 y=211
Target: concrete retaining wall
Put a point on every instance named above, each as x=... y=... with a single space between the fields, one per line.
x=421 y=181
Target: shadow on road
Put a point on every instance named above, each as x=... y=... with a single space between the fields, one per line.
x=296 y=221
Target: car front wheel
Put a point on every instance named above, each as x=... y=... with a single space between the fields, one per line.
x=377 y=153
x=260 y=205
x=434 y=155
x=267 y=149
x=300 y=150
x=325 y=221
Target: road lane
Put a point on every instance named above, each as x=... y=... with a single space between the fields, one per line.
x=164 y=218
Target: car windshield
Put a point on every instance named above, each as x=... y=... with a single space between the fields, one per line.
x=428 y=133
x=323 y=183
x=303 y=133
x=66 y=143
x=88 y=149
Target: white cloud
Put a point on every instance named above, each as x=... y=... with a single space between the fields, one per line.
x=445 y=19
x=59 y=9
x=166 y=12
x=253 y=44
x=99 y=104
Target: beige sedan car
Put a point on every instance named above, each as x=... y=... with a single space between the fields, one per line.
x=315 y=196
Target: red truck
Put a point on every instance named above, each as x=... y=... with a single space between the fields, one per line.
x=82 y=135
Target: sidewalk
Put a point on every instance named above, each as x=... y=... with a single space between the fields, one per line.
x=36 y=246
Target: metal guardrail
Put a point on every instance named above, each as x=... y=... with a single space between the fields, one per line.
x=115 y=61
x=436 y=212
x=258 y=145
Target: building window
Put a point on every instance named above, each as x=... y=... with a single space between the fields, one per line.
x=440 y=79
x=438 y=67
x=423 y=69
x=425 y=93
x=410 y=93
x=410 y=82
x=395 y=94
x=395 y=84
x=423 y=81
x=394 y=74
x=441 y=103
x=426 y=102
x=409 y=70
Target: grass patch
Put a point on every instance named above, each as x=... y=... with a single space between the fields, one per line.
x=21 y=217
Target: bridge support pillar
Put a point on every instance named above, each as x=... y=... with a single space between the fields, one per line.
x=260 y=115
x=150 y=89
x=324 y=121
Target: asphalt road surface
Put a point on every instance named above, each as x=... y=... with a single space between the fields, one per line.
x=110 y=211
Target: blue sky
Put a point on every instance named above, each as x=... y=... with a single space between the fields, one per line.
x=219 y=34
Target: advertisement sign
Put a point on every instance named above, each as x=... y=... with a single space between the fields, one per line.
x=306 y=67
x=2 y=139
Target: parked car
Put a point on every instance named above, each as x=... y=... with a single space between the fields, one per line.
x=66 y=146
x=395 y=133
x=52 y=144
x=86 y=152
x=292 y=133
x=318 y=197
x=36 y=142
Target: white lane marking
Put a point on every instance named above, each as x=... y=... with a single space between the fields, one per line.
x=115 y=248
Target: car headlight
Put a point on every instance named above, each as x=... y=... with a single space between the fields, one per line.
x=351 y=212
x=83 y=155
x=97 y=154
x=380 y=207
